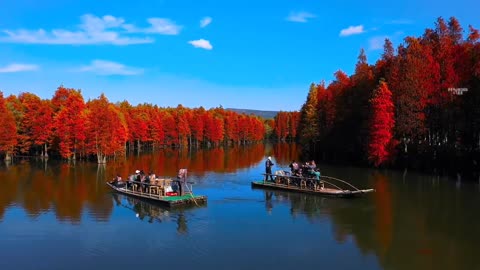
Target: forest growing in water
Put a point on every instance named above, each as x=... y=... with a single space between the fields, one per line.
x=68 y=127
x=417 y=106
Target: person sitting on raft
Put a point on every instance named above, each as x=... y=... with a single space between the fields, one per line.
x=117 y=181
x=312 y=169
x=294 y=168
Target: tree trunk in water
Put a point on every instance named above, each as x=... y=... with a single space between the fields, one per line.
x=8 y=157
x=138 y=145
x=102 y=159
x=45 y=153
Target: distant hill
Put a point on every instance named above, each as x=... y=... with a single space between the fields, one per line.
x=264 y=114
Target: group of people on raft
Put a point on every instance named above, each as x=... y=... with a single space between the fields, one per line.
x=306 y=170
x=144 y=180
x=140 y=177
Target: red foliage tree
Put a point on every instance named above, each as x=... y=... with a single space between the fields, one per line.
x=37 y=122
x=281 y=125
x=170 y=129
x=155 y=127
x=231 y=127
x=106 y=129
x=8 y=132
x=294 y=123
x=140 y=120
x=183 y=128
x=60 y=98
x=197 y=125
x=214 y=127
x=69 y=125
x=381 y=125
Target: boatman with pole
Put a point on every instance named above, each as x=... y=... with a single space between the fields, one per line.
x=268 y=169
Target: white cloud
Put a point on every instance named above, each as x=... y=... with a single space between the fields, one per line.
x=103 y=67
x=18 y=68
x=205 y=21
x=299 y=17
x=94 y=30
x=161 y=26
x=352 y=30
x=201 y=43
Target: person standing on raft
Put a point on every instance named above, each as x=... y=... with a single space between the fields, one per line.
x=268 y=169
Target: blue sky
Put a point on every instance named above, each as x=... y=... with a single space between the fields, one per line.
x=259 y=54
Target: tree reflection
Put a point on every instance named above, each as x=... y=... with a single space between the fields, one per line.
x=284 y=153
x=63 y=188
x=166 y=162
x=383 y=215
x=71 y=189
x=421 y=218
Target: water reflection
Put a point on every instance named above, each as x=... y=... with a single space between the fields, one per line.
x=422 y=219
x=284 y=153
x=167 y=161
x=413 y=221
x=64 y=189
x=312 y=207
x=69 y=189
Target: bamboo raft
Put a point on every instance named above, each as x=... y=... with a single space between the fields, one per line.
x=324 y=186
x=156 y=192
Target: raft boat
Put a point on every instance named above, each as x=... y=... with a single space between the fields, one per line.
x=170 y=192
x=326 y=186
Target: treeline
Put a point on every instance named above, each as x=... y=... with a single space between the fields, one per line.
x=285 y=126
x=69 y=127
x=418 y=106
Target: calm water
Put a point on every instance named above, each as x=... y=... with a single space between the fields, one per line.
x=61 y=216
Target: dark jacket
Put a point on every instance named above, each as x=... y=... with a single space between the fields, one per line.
x=268 y=163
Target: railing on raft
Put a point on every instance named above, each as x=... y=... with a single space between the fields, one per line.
x=286 y=174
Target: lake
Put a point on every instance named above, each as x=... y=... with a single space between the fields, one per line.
x=56 y=215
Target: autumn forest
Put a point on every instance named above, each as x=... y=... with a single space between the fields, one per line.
x=417 y=106
x=69 y=127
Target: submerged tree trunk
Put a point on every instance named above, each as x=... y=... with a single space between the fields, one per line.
x=101 y=159
x=45 y=153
